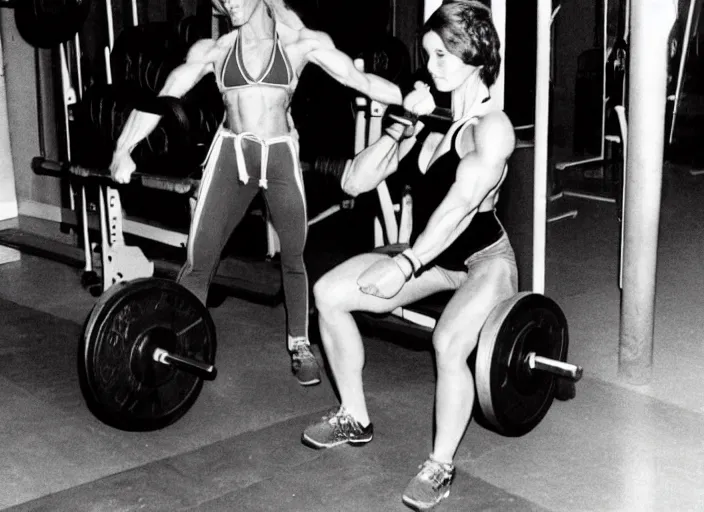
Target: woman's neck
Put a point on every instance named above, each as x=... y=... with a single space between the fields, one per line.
x=466 y=96
x=260 y=24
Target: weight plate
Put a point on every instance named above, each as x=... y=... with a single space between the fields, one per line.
x=512 y=398
x=121 y=383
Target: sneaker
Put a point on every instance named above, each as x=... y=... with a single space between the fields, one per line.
x=430 y=486
x=337 y=427
x=304 y=365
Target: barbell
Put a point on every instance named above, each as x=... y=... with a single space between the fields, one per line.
x=44 y=166
x=149 y=344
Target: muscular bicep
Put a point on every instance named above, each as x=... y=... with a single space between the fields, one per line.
x=198 y=63
x=318 y=48
x=481 y=170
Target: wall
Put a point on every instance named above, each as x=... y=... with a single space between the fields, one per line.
x=21 y=64
x=8 y=198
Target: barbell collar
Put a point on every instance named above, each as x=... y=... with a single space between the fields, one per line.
x=203 y=370
x=558 y=368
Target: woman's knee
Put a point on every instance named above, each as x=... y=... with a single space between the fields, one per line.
x=292 y=244
x=292 y=262
x=453 y=346
x=328 y=293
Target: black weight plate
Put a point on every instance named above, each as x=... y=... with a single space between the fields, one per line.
x=513 y=399
x=47 y=23
x=121 y=383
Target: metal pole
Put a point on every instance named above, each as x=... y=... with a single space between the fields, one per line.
x=498 y=16
x=651 y=22
x=540 y=166
x=680 y=70
x=429 y=7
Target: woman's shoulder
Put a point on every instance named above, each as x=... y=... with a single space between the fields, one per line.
x=492 y=133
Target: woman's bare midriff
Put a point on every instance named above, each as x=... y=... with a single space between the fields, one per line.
x=259 y=109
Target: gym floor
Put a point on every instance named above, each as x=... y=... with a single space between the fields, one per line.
x=615 y=447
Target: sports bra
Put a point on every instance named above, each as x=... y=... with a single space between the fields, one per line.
x=277 y=72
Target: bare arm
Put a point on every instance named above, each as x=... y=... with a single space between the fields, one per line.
x=181 y=80
x=377 y=161
x=318 y=48
x=479 y=172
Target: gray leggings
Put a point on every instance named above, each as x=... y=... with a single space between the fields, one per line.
x=237 y=167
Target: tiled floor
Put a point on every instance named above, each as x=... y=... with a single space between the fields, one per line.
x=616 y=447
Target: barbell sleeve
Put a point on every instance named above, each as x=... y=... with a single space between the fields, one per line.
x=558 y=368
x=203 y=370
x=43 y=166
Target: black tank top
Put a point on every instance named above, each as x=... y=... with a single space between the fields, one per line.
x=428 y=191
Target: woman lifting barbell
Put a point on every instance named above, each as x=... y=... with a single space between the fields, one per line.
x=257 y=66
x=457 y=241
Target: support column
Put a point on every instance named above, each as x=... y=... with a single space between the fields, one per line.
x=8 y=197
x=429 y=7
x=498 y=16
x=542 y=122
x=651 y=22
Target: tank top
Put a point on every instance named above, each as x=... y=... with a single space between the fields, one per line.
x=429 y=190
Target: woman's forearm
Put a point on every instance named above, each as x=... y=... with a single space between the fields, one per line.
x=371 y=166
x=383 y=91
x=442 y=229
x=138 y=126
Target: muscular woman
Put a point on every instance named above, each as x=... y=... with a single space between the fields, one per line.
x=257 y=66
x=457 y=242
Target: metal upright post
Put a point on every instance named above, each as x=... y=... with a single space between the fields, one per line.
x=498 y=16
x=651 y=23
x=542 y=110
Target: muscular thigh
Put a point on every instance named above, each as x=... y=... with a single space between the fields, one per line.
x=285 y=197
x=488 y=283
x=341 y=282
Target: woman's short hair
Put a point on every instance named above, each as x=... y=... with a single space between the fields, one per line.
x=467 y=30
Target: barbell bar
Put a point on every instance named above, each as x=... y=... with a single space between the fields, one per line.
x=561 y=369
x=43 y=166
x=187 y=364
